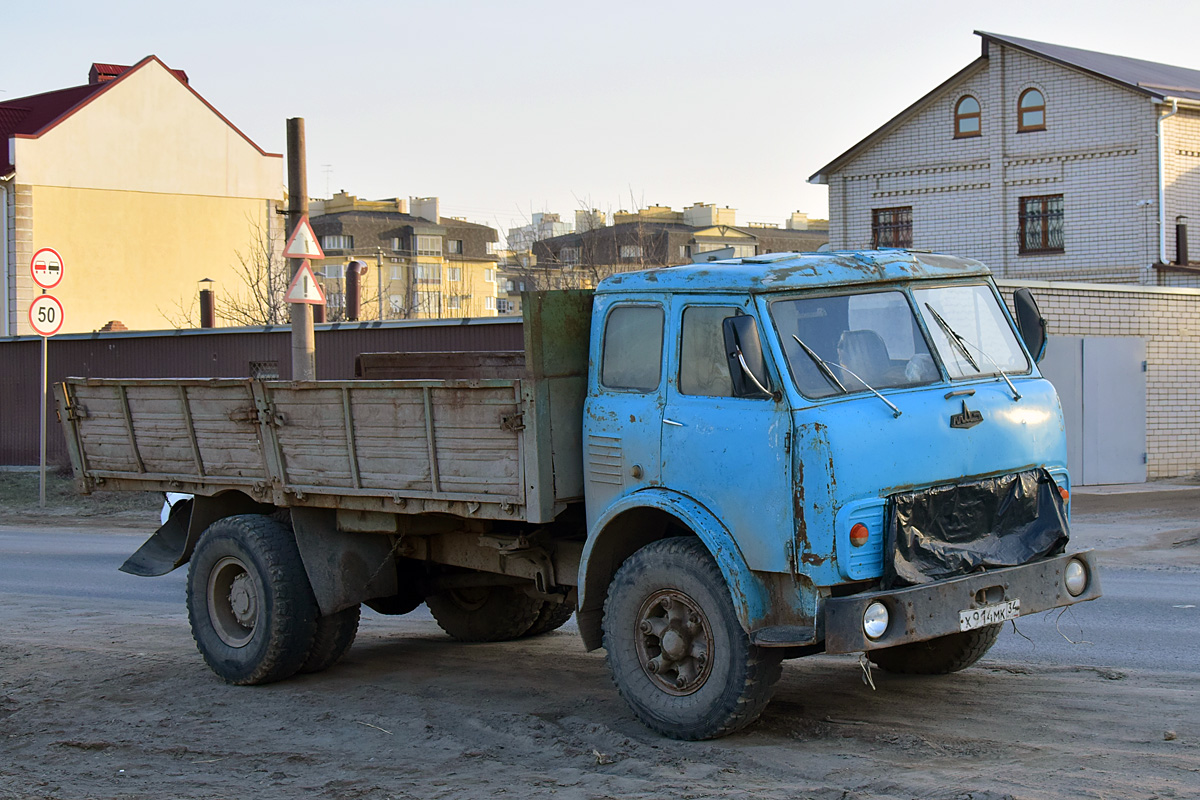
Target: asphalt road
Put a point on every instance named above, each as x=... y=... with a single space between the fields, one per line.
x=1148 y=618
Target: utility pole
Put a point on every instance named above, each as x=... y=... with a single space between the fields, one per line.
x=304 y=352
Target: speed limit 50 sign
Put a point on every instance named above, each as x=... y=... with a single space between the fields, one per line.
x=46 y=314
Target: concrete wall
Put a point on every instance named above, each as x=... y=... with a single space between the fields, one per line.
x=1169 y=321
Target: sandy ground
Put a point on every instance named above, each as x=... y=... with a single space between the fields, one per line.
x=108 y=701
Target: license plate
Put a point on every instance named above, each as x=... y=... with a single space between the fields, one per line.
x=973 y=618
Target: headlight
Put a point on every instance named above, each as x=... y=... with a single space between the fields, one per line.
x=1075 y=577
x=875 y=620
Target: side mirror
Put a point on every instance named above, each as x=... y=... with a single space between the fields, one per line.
x=1031 y=323
x=747 y=365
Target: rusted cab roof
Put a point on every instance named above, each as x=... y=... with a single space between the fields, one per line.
x=783 y=272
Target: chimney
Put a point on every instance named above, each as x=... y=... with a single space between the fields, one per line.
x=1181 y=242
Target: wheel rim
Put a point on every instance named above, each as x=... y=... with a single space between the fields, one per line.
x=233 y=602
x=674 y=642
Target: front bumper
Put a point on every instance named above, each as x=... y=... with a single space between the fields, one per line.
x=919 y=613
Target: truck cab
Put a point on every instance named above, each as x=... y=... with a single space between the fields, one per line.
x=862 y=444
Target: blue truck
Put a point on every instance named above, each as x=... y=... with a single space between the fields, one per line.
x=715 y=467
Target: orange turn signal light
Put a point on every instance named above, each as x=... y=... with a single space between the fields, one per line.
x=859 y=534
x=1066 y=495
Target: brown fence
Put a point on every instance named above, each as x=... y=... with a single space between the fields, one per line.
x=219 y=353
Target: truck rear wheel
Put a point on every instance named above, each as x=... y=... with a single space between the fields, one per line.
x=551 y=617
x=938 y=656
x=333 y=637
x=484 y=613
x=252 y=611
x=677 y=653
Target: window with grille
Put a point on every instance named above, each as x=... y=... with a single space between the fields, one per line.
x=891 y=227
x=631 y=251
x=1041 y=228
x=967 y=118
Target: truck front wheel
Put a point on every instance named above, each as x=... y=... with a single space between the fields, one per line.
x=484 y=613
x=252 y=611
x=677 y=653
x=938 y=656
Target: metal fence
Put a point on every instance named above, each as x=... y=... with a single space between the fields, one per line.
x=217 y=353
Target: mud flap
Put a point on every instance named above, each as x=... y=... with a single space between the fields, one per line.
x=161 y=553
x=343 y=568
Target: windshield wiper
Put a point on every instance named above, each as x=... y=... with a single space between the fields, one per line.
x=962 y=343
x=821 y=365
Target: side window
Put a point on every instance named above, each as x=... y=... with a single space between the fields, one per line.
x=703 y=365
x=632 y=356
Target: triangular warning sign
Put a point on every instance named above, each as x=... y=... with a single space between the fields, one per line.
x=304 y=287
x=303 y=242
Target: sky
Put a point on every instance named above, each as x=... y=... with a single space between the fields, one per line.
x=503 y=109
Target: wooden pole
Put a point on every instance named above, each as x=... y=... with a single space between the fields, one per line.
x=304 y=353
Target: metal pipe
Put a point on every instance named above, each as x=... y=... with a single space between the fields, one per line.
x=4 y=314
x=208 y=309
x=1162 y=183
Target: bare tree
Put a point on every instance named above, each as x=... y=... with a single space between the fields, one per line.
x=266 y=275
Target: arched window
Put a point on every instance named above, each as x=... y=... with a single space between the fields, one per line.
x=1031 y=111
x=967 y=118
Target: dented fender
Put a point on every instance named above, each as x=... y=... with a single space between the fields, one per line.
x=609 y=543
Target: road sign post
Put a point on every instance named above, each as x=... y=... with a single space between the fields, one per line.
x=46 y=318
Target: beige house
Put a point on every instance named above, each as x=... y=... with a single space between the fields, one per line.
x=141 y=186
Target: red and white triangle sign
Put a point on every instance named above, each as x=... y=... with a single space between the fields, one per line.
x=303 y=242
x=304 y=287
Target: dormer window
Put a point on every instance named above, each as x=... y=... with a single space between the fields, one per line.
x=1031 y=111
x=967 y=118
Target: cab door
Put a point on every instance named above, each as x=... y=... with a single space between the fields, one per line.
x=732 y=454
x=623 y=414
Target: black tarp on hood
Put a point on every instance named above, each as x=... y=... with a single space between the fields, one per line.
x=948 y=531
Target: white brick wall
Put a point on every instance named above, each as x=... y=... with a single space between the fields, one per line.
x=1099 y=151
x=1169 y=320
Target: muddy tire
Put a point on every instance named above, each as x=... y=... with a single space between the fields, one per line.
x=484 y=613
x=252 y=611
x=677 y=653
x=333 y=637
x=938 y=656
x=552 y=617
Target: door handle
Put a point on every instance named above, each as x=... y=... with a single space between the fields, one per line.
x=672 y=422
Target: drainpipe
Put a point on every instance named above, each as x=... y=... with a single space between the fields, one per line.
x=5 y=320
x=1162 y=182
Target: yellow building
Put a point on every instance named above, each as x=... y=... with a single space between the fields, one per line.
x=141 y=186
x=420 y=265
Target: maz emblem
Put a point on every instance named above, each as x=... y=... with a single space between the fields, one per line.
x=966 y=419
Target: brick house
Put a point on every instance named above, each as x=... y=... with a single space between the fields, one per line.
x=421 y=265
x=1044 y=162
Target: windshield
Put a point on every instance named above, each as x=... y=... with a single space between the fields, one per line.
x=985 y=343
x=852 y=343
